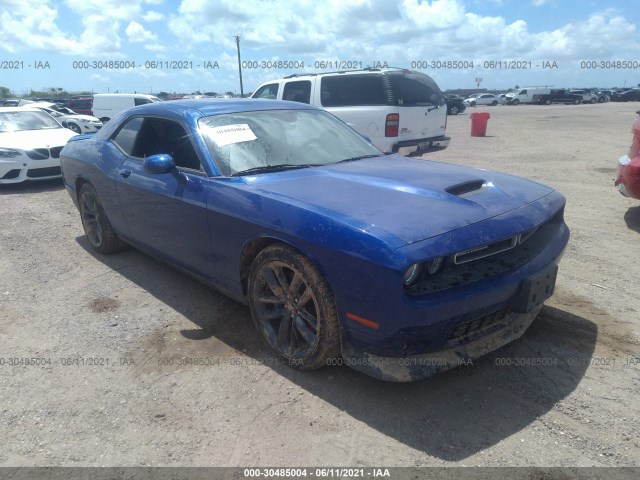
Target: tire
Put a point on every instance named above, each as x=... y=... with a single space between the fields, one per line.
x=593 y=100
x=293 y=308
x=547 y=101
x=100 y=233
x=104 y=120
x=74 y=127
x=454 y=110
x=577 y=102
x=515 y=102
x=494 y=103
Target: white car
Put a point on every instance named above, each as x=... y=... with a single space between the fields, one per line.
x=398 y=110
x=68 y=118
x=30 y=144
x=483 y=99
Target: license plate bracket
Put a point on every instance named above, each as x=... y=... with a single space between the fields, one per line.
x=535 y=290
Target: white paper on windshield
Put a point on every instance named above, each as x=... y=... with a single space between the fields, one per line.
x=229 y=134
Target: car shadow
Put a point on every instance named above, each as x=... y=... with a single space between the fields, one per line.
x=32 y=187
x=451 y=416
x=632 y=217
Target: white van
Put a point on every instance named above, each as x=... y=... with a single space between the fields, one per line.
x=526 y=95
x=108 y=105
x=398 y=110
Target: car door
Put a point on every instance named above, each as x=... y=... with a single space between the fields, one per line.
x=164 y=212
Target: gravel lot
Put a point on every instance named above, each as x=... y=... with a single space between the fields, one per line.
x=121 y=360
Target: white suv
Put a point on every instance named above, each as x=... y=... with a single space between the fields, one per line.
x=398 y=110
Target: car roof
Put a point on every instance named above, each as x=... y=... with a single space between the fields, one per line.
x=217 y=106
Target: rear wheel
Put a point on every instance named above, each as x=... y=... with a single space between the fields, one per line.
x=293 y=308
x=593 y=100
x=576 y=102
x=494 y=103
x=96 y=225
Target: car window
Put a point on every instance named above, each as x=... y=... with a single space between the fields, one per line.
x=267 y=91
x=152 y=135
x=126 y=136
x=415 y=89
x=141 y=101
x=299 y=91
x=352 y=90
x=27 y=120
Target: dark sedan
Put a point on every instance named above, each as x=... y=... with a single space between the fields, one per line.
x=455 y=104
x=397 y=267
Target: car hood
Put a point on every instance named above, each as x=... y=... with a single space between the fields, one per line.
x=398 y=199
x=29 y=139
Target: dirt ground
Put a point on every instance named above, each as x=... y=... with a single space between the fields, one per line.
x=121 y=360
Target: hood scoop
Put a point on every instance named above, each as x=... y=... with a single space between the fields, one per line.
x=465 y=187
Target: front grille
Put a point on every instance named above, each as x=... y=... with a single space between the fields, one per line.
x=44 y=172
x=11 y=174
x=468 y=331
x=470 y=269
x=55 y=152
x=38 y=154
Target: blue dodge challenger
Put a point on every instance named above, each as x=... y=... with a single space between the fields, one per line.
x=397 y=267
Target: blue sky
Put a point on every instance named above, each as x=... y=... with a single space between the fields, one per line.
x=77 y=44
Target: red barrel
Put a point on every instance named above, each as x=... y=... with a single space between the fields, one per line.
x=479 y=122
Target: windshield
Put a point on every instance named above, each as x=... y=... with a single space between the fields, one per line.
x=28 y=120
x=247 y=141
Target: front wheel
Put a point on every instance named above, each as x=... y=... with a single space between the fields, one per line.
x=454 y=110
x=102 y=237
x=74 y=127
x=593 y=100
x=494 y=103
x=577 y=102
x=293 y=308
x=515 y=102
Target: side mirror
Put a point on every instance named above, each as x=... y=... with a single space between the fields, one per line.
x=160 y=163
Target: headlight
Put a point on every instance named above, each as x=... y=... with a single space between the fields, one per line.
x=412 y=274
x=9 y=153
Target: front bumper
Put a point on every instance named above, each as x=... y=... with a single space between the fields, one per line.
x=416 y=367
x=20 y=169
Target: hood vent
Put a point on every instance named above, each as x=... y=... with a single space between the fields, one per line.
x=465 y=187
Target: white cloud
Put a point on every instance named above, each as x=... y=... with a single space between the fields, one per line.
x=136 y=33
x=152 y=16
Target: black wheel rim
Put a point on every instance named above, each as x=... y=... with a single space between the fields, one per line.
x=91 y=218
x=286 y=309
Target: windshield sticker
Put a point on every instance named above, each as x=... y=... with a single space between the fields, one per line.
x=229 y=134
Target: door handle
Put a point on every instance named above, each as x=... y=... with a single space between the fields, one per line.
x=125 y=173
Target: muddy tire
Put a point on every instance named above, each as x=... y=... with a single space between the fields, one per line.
x=293 y=308
x=100 y=233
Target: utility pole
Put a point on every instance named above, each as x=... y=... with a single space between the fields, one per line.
x=239 y=64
